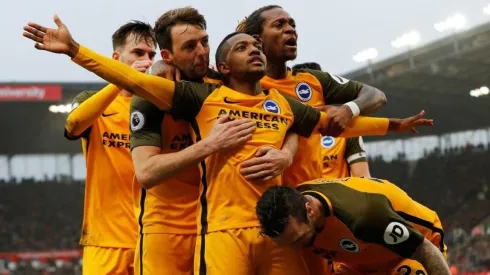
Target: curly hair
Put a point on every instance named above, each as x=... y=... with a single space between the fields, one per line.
x=254 y=23
x=276 y=206
x=308 y=65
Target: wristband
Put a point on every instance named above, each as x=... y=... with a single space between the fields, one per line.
x=354 y=108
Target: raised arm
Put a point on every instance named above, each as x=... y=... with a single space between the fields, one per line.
x=308 y=120
x=86 y=108
x=157 y=90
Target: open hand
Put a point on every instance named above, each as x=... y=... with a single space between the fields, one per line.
x=226 y=135
x=162 y=69
x=267 y=164
x=52 y=40
x=409 y=123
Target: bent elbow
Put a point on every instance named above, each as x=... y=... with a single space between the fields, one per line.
x=145 y=180
x=381 y=97
x=71 y=127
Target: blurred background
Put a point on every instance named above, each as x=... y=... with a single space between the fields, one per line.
x=446 y=167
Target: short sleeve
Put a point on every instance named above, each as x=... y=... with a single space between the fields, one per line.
x=380 y=224
x=79 y=99
x=336 y=89
x=305 y=117
x=189 y=98
x=354 y=151
x=145 y=123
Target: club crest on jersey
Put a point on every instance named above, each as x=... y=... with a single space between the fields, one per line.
x=303 y=91
x=271 y=106
x=137 y=121
x=328 y=142
x=349 y=245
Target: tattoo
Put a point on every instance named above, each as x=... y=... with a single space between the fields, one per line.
x=431 y=258
x=370 y=100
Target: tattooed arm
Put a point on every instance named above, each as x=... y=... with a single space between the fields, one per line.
x=431 y=258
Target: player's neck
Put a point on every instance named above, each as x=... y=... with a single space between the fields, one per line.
x=125 y=93
x=319 y=213
x=276 y=69
x=245 y=87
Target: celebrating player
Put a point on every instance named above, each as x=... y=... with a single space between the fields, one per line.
x=275 y=28
x=370 y=226
x=341 y=157
x=227 y=197
x=101 y=119
x=168 y=207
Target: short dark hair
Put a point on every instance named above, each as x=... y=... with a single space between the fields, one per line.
x=140 y=29
x=219 y=51
x=276 y=206
x=254 y=23
x=164 y=24
x=308 y=65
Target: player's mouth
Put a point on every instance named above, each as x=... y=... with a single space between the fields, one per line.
x=291 y=43
x=256 y=60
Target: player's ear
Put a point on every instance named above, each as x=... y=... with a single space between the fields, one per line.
x=115 y=55
x=309 y=210
x=166 y=56
x=223 y=68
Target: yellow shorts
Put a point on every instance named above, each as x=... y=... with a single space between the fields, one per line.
x=244 y=252
x=405 y=267
x=164 y=254
x=110 y=261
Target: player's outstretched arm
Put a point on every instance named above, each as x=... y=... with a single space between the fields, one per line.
x=431 y=258
x=152 y=168
x=372 y=126
x=157 y=90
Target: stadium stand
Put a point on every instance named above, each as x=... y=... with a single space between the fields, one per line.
x=41 y=174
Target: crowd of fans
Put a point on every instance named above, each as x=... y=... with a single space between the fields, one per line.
x=46 y=216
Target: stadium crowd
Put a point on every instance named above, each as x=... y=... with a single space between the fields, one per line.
x=44 y=216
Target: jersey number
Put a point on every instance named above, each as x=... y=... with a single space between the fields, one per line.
x=408 y=270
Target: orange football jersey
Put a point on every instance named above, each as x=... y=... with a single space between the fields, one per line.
x=338 y=154
x=371 y=224
x=170 y=207
x=314 y=88
x=227 y=199
x=108 y=219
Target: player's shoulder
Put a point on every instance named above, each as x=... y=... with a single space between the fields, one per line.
x=142 y=104
x=85 y=94
x=213 y=77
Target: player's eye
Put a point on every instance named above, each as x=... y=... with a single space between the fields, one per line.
x=241 y=48
x=259 y=47
x=205 y=42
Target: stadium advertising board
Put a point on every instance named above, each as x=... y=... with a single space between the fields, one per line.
x=24 y=92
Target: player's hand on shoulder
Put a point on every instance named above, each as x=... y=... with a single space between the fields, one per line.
x=53 y=40
x=410 y=123
x=228 y=134
x=267 y=164
x=162 y=69
x=338 y=119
